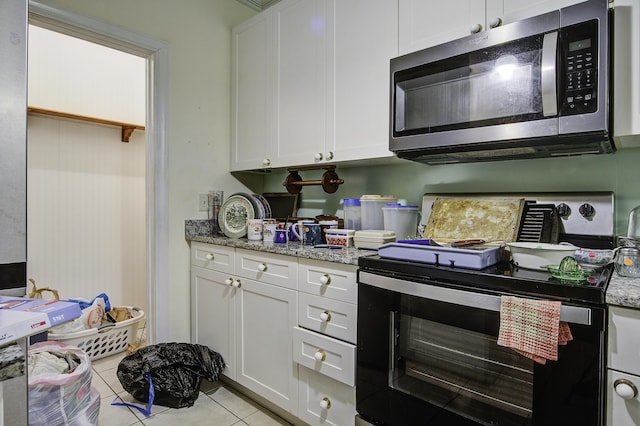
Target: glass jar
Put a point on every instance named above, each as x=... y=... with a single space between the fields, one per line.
x=627 y=263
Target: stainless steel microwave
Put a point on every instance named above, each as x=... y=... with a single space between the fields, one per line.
x=533 y=88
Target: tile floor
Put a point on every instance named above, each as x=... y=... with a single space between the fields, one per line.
x=217 y=404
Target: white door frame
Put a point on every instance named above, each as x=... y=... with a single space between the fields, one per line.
x=156 y=179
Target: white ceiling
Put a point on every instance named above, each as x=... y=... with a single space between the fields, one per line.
x=259 y=4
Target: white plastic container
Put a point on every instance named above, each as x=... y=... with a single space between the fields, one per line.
x=352 y=218
x=340 y=237
x=403 y=220
x=371 y=210
x=373 y=239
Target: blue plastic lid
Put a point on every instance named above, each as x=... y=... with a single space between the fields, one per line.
x=398 y=206
x=350 y=202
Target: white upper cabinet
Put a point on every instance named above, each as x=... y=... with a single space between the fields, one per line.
x=252 y=98
x=314 y=90
x=424 y=23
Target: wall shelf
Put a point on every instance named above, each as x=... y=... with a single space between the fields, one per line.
x=127 y=128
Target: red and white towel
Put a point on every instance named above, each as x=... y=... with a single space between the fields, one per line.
x=532 y=328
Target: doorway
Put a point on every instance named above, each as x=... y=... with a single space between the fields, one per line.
x=156 y=183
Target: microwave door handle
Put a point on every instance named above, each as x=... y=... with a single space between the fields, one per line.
x=548 y=75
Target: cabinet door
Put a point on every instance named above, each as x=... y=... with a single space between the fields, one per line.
x=252 y=98
x=265 y=318
x=516 y=10
x=324 y=401
x=364 y=44
x=620 y=411
x=213 y=314
x=424 y=24
x=300 y=79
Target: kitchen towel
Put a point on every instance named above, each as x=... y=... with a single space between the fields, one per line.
x=532 y=328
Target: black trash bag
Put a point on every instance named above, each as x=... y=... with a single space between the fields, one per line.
x=176 y=371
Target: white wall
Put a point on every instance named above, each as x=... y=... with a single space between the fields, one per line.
x=86 y=210
x=198 y=33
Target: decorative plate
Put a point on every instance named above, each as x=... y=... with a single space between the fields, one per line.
x=234 y=213
x=265 y=204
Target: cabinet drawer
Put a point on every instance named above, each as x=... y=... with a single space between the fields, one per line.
x=620 y=411
x=209 y=256
x=325 y=355
x=328 y=316
x=267 y=268
x=333 y=280
x=323 y=401
x=624 y=339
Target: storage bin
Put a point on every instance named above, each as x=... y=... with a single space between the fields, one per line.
x=352 y=218
x=371 y=210
x=106 y=340
x=403 y=220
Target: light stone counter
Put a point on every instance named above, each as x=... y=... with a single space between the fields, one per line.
x=200 y=231
x=624 y=291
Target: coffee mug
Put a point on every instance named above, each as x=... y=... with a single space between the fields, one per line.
x=269 y=230
x=296 y=231
x=280 y=236
x=312 y=234
x=254 y=229
x=324 y=225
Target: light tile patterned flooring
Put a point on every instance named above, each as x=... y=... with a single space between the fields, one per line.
x=217 y=404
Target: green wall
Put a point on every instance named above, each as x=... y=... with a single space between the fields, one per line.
x=618 y=172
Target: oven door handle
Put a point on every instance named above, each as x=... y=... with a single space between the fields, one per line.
x=488 y=302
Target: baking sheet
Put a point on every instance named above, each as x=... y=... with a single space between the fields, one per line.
x=495 y=219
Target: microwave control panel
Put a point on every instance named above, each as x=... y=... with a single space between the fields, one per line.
x=579 y=59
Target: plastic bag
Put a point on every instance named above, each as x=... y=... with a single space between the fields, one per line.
x=63 y=399
x=176 y=369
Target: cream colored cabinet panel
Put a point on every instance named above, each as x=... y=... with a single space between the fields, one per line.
x=325 y=355
x=252 y=97
x=624 y=339
x=323 y=401
x=300 y=54
x=213 y=314
x=327 y=316
x=332 y=280
x=516 y=10
x=267 y=267
x=364 y=44
x=219 y=258
x=626 y=68
x=623 y=409
x=424 y=24
x=265 y=317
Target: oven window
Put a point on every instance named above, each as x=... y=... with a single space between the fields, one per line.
x=490 y=86
x=461 y=370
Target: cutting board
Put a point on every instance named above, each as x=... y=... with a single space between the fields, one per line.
x=492 y=219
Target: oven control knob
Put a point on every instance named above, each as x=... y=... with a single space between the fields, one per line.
x=325 y=316
x=625 y=389
x=325 y=279
x=320 y=355
x=587 y=211
x=325 y=404
x=563 y=210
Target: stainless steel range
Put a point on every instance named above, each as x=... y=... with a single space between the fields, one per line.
x=427 y=335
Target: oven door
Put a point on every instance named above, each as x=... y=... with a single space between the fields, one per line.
x=430 y=353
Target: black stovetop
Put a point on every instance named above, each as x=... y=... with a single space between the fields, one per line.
x=501 y=278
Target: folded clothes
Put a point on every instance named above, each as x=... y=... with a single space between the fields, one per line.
x=532 y=328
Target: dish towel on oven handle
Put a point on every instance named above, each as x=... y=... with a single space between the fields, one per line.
x=532 y=328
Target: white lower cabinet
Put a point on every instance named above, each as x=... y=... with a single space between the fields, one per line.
x=285 y=326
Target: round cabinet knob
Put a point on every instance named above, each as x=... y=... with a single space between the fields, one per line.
x=329 y=155
x=262 y=267
x=318 y=156
x=228 y=281
x=563 y=210
x=325 y=316
x=209 y=256
x=236 y=283
x=587 y=211
x=325 y=404
x=325 y=279
x=475 y=29
x=320 y=355
x=266 y=162
x=625 y=389
x=495 y=22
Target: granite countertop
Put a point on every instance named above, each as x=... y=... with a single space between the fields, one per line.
x=624 y=291
x=200 y=231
